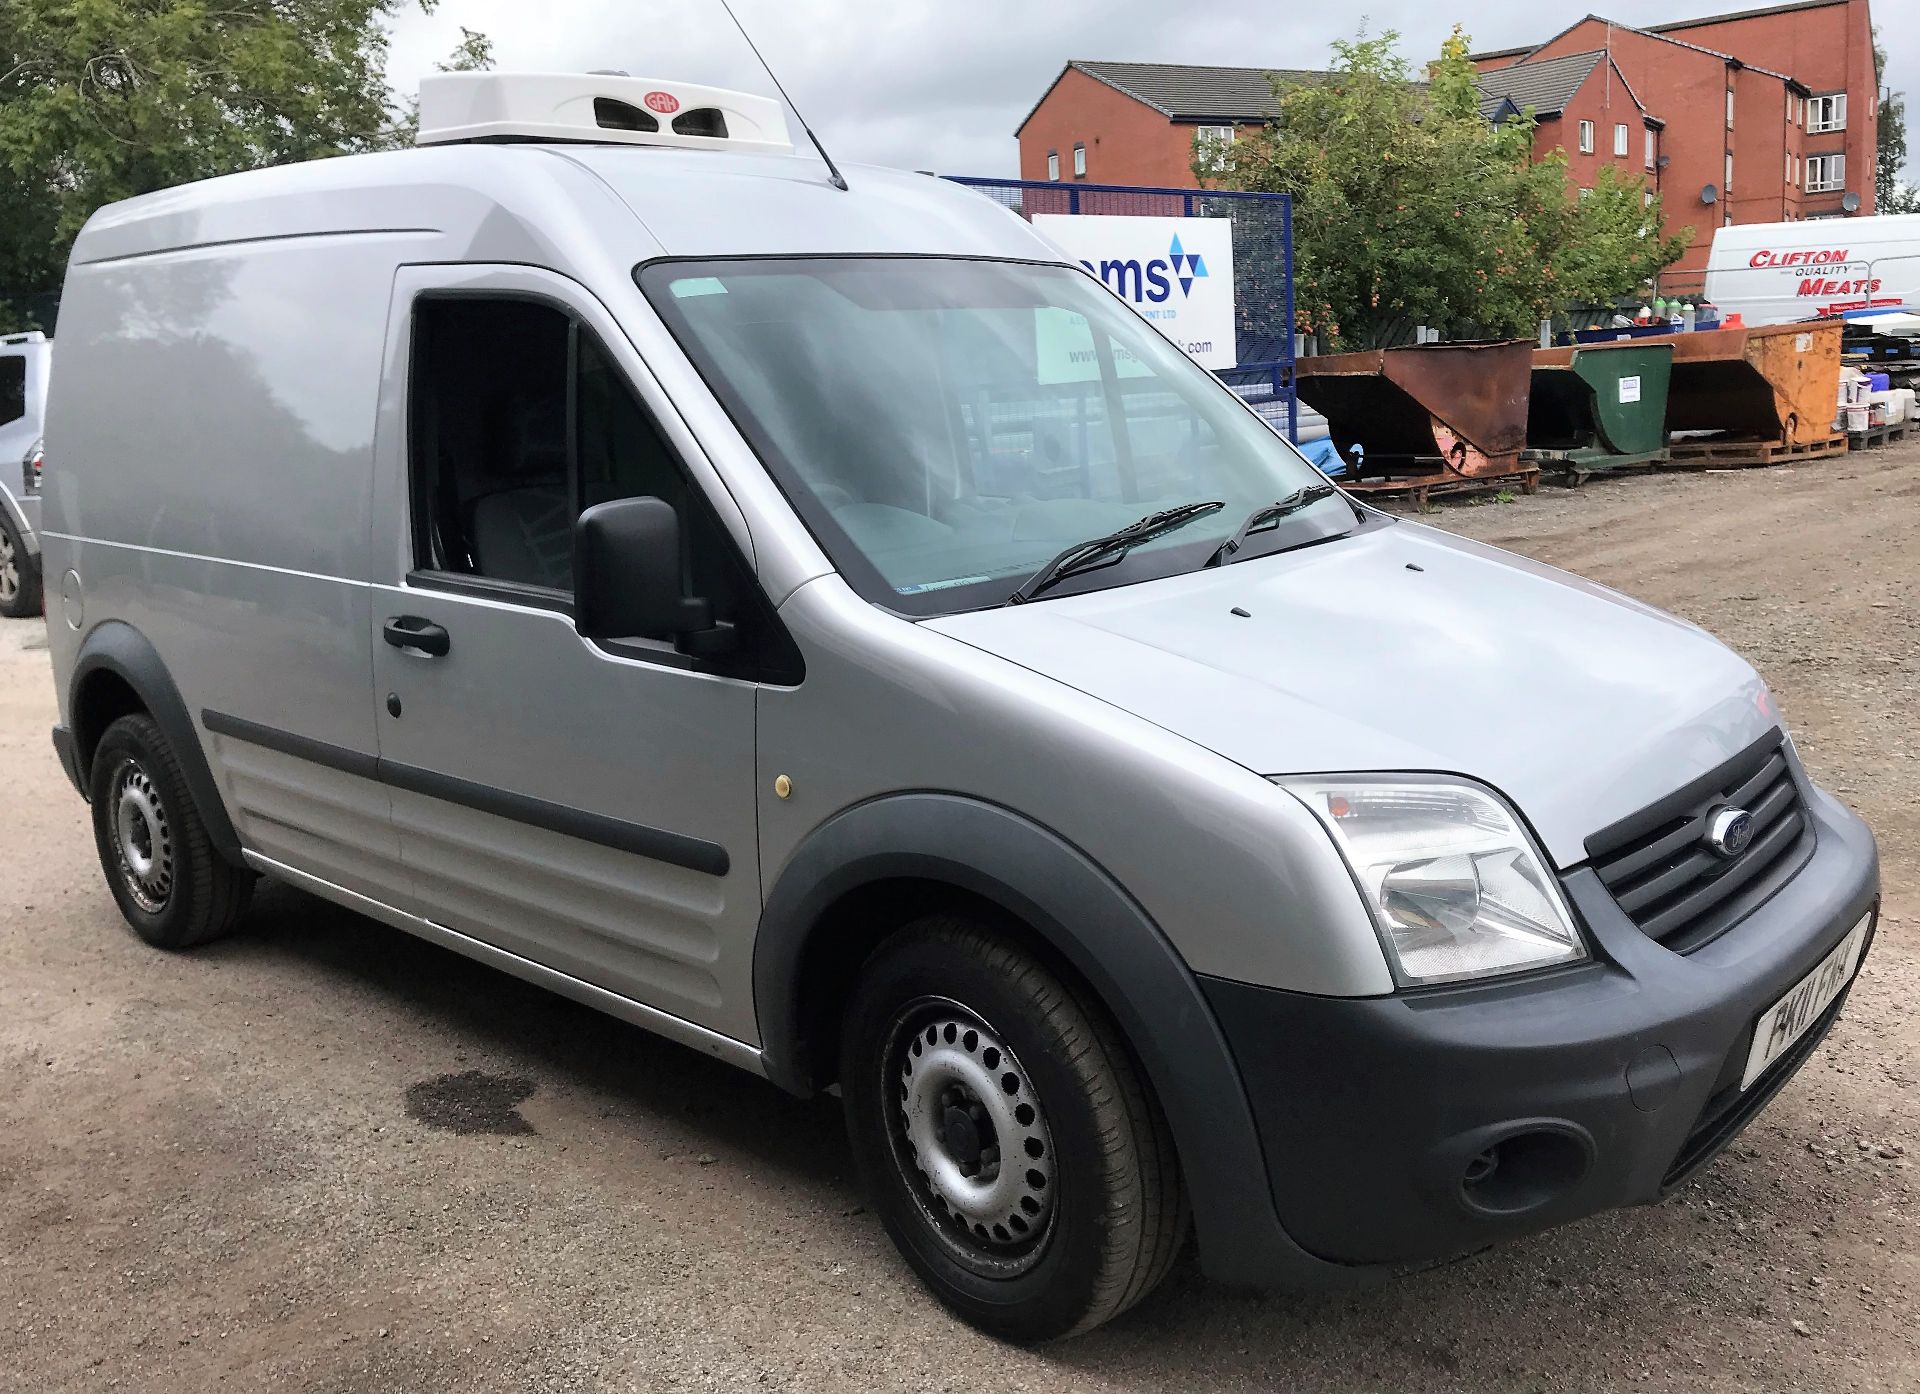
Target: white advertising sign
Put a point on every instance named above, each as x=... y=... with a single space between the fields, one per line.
x=1178 y=272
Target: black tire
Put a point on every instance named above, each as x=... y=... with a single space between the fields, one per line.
x=175 y=890
x=1095 y=1219
x=19 y=597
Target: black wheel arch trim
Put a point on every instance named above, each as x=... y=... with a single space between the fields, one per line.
x=116 y=647
x=1088 y=919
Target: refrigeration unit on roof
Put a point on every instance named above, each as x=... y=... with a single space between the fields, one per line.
x=597 y=108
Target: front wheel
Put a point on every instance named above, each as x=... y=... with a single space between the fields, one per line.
x=1011 y=1148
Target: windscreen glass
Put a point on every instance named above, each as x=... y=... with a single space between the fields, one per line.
x=947 y=427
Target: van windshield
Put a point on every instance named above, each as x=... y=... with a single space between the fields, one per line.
x=945 y=428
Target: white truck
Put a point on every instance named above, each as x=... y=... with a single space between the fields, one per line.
x=1777 y=273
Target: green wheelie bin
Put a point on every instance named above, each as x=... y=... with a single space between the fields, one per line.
x=1599 y=407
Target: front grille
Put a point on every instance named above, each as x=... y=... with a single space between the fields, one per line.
x=1679 y=891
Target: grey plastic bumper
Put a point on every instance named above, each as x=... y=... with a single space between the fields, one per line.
x=1609 y=1084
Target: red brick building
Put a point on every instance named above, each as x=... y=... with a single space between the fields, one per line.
x=1758 y=116
x=1765 y=115
x=1135 y=123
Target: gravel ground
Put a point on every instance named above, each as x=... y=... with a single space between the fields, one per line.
x=323 y=1156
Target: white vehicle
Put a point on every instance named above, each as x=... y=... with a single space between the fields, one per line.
x=1779 y=273
x=25 y=362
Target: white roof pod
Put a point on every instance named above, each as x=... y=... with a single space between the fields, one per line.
x=603 y=108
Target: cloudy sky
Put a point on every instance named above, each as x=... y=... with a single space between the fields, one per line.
x=941 y=86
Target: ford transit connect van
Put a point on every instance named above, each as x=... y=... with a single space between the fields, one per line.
x=25 y=363
x=829 y=629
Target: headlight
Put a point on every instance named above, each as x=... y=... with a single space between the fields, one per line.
x=1454 y=884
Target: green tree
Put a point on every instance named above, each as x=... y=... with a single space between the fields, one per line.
x=104 y=99
x=1411 y=208
x=1890 y=193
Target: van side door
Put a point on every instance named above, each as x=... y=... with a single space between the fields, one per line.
x=588 y=808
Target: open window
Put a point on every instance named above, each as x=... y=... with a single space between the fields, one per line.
x=519 y=421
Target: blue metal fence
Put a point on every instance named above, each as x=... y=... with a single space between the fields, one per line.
x=1262 y=374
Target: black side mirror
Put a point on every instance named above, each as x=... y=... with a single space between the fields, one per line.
x=627 y=578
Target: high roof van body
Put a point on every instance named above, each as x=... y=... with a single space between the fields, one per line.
x=827 y=629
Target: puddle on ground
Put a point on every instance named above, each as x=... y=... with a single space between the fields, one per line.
x=471 y=1102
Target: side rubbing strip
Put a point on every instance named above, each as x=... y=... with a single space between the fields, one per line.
x=693 y=853
x=336 y=757
x=677 y=849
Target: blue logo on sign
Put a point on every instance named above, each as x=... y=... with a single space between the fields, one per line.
x=1152 y=282
x=1187 y=266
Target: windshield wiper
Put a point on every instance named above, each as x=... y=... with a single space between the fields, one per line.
x=1266 y=516
x=1097 y=552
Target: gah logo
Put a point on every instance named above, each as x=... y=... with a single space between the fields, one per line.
x=663 y=102
x=1153 y=281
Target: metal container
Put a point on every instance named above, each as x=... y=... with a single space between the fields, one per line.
x=1775 y=385
x=1426 y=414
x=1600 y=407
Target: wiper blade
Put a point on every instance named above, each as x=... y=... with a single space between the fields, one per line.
x=1097 y=552
x=1266 y=516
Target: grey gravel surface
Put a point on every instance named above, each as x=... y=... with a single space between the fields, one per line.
x=322 y=1156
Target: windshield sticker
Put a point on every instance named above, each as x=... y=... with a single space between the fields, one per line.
x=923 y=587
x=698 y=285
x=1064 y=350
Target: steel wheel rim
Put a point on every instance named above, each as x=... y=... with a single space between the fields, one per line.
x=142 y=838
x=9 y=568
x=970 y=1137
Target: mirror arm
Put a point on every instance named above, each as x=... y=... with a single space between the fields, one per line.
x=710 y=642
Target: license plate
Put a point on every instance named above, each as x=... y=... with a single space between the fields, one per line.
x=1787 y=1020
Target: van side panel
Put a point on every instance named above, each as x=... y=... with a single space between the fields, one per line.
x=1782 y=273
x=213 y=420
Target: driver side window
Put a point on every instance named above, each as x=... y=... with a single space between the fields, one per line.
x=520 y=420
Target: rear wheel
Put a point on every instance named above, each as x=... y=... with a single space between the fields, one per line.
x=19 y=575
x=1013 y=1152
x=175 y=890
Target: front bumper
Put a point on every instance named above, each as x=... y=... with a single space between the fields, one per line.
x=1600 y=1086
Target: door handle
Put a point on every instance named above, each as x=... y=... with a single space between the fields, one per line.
x=412 y=632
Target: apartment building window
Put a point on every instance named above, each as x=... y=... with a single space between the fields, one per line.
x=1827 y=113
x=1789 y=106
x=1825 y=173
x=1053 y=164
x=1729 y=108
x=1586 y=137
x=1079 y=162
x=1620 y=140
x=1210 y=146
x=1653 y=149
x=1726 y=184
x=1586 y=193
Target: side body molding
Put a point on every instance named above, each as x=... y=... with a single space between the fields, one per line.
x=116 y=647
x=1089 y=920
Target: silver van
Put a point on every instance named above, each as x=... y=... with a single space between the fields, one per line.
x=827 y=628
x=26 y=360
